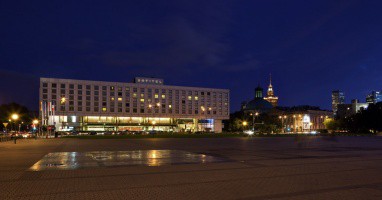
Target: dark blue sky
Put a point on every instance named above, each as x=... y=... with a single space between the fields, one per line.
x=310 y=47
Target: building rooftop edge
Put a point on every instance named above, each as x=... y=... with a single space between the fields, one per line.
x=141 y=84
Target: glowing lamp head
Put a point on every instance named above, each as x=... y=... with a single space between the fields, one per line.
x=245 y=123
x=63 y=100
x=15 y=116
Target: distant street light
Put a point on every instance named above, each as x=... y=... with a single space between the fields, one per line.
x=15 y=116
x=63 y=100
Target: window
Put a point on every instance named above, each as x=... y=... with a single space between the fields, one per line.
x=104 y=109
x=142 y=100
x=156 y=96
x=62 y=86
x=163 y=96
x=190 y=98
x=71 y=86
x=79 y=87
x=44 y=84
x=119 y=98
x=54 y=85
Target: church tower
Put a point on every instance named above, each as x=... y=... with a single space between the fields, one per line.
x=271 y=98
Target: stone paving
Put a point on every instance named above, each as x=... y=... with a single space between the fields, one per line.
x=247 y=168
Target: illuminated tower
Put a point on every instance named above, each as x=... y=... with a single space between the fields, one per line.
x=271 y=98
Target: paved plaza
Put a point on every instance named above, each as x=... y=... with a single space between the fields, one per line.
x=199 y=168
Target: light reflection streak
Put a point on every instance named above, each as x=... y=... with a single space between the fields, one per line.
x=76 y=160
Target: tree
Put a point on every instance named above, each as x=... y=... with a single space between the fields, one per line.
x=6 y=110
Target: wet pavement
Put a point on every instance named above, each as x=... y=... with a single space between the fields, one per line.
x=78 y=160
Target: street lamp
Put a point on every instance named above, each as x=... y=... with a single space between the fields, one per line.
x=35 y=122
x=282 y=123
x=153 y=123
x=63 y=100
x=254 y=115
x=15 y=117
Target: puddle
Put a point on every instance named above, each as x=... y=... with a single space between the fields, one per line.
x=77 y=160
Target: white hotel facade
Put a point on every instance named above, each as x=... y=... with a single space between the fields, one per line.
x=144 y=104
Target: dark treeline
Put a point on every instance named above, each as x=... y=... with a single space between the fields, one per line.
x=366 y=121
x=6 y=111
x=263 y=123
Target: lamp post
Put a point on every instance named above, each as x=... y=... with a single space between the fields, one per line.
x=153 y=122
x=294 y=123
x=15 y=117
x=254 y=115
x=282 y=122
x=35 y=123
x=245 y=123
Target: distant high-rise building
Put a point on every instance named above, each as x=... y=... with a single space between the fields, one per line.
x=338 y=97
x=374 y=97
x=271 y=98
x=347 y=110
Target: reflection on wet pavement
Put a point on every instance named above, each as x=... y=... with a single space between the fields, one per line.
x=76 y=160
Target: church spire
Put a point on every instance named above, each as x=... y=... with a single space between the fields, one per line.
x=270 y=95
x=270 y=79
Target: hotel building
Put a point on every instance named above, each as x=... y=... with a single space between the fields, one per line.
x=144 y=104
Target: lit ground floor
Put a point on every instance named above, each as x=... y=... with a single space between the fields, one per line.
x=107 y=123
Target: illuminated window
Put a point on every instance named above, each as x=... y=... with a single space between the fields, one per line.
x=142 y=100
x=156 y=96
x=104 y=109
x=112 y=98
x=119 y=99
x=170 y=106
x=142 y=95
x=163 y=96
x=135 y=95
x=196 y=98
x=189 y=97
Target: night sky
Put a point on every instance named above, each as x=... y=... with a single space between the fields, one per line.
x=310 y=47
